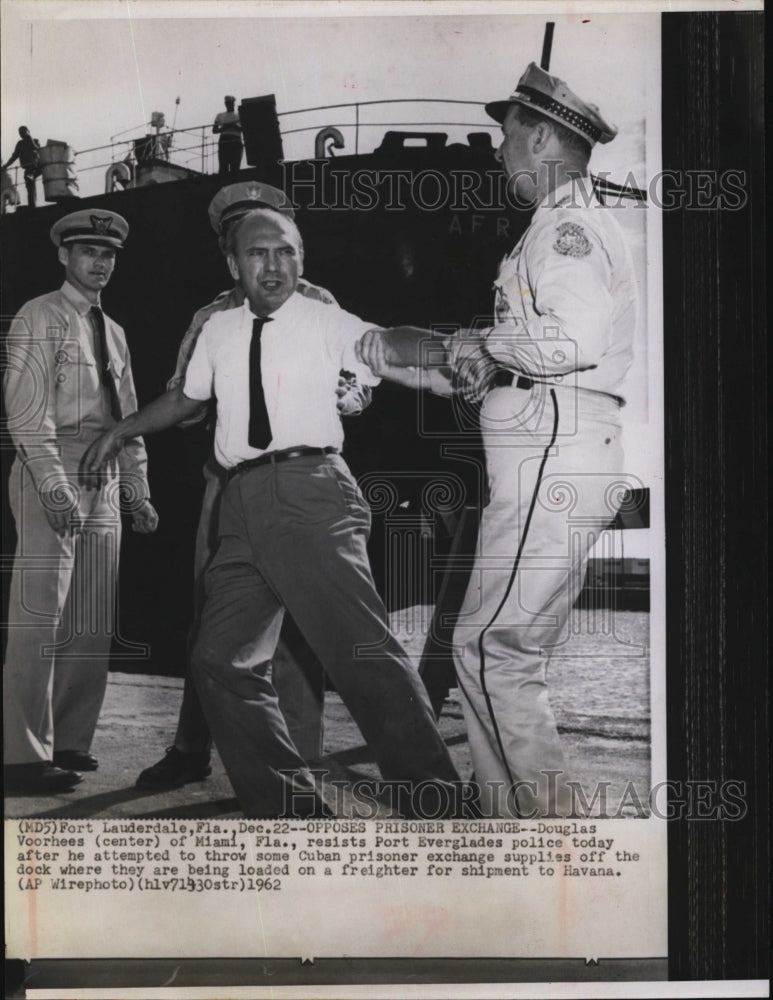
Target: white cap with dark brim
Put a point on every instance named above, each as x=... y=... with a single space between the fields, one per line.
x=552 y=98
x=236 y=200
x=90 y=226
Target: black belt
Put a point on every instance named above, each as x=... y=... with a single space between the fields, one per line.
x=506 y=378
x=272 y=457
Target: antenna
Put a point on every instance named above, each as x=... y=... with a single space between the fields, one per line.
x=176 y=106
x=547 y=45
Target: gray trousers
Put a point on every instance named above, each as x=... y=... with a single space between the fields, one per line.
x=296 y=673
x=293 y=535
x=61 y=620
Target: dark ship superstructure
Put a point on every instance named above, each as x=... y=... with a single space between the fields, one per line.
x=411 y=232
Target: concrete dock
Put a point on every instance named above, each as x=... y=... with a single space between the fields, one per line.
x=599 y=688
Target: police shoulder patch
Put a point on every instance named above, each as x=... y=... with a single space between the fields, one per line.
x=571 y=241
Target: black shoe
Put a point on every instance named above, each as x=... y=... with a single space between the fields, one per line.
x=175 y=769
x=40 y=778
x=76 y=760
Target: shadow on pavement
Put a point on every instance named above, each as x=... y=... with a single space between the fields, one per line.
x=93 y=805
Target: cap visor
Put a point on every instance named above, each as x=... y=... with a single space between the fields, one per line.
x=498 y=109
x=94 y=240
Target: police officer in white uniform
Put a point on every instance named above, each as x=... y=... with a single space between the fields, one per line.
x=68 y=379
x=550 y=371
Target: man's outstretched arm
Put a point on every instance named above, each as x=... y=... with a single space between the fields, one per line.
x=409 y=356
x=13 y=159
x=166 y=411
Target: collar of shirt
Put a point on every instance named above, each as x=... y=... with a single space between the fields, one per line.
x=576 y=193
x=285 y=311
x=298 y=372
x=78 y=300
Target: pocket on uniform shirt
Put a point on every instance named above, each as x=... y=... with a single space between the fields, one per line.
x=73 y=369
x=117 y=366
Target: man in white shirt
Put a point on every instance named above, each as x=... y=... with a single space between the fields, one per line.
x=293 y=531
x=296 y=674
x=549 y=372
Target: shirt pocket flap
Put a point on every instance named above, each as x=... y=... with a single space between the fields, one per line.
x=72 y=352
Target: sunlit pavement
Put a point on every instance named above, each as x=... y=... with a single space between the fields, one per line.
x=604 y=724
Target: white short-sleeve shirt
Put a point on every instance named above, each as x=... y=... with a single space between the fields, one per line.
x=566 y=297
x=303 y=348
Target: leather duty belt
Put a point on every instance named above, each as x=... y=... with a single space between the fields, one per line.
x=273 y=457
x=507 y=378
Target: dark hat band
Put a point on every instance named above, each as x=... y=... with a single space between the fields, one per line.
x=573 y=118
x=242 y=207
x=89 y=236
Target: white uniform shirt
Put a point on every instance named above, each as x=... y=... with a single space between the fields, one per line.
x=303 y=349
x=54 y=395
x=566 y=296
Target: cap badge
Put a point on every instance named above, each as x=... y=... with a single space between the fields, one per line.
x=253 y=192
x=102 y=224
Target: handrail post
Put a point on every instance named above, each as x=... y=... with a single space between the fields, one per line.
x=356 y=129
x=202 y=149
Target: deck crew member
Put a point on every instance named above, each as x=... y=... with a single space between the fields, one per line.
x=229 y=128
x=68 y=380
x=292 y=533
x=549 y=370
x=27 y=152
x=296 y=673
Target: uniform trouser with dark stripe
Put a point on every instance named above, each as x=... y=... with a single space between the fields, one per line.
x=61 y=620
x=293 y=535
x=296 y=673
x=554 y=461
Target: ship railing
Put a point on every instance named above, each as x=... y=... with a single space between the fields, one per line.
x=353 y=121
x=195 y=147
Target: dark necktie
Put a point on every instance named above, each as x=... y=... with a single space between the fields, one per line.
x=259 y=432
x=103 y=362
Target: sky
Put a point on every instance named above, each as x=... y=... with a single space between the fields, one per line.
x=85 y=71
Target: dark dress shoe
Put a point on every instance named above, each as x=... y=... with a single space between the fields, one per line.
x=39 y=779
x=175 y=769
x=76 y=760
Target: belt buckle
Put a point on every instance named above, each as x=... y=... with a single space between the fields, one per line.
x=287 y=453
